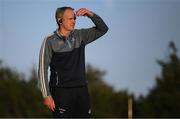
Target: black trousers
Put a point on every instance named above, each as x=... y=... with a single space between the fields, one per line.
x=71 y=102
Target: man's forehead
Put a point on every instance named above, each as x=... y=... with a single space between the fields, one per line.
x=69 y=12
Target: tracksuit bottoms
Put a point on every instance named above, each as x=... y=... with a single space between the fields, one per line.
x=71 y=102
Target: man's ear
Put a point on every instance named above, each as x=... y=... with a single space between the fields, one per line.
x=59 y=20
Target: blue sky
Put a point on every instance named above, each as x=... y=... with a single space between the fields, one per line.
x=139 y=33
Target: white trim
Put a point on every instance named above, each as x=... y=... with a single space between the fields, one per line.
x=42 y=77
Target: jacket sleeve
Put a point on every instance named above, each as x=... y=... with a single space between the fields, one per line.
x=44 y=61
x=90 y=34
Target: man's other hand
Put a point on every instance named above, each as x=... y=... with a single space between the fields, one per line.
x=49 y=102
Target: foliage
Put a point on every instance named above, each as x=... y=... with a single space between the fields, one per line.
x=163 y=98
x=20 y=97
x=105 y=101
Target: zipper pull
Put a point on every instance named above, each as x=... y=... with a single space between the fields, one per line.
x=69 y=43
x=57 y=79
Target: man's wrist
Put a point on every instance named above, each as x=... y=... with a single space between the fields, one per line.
x=49 y=96
x=91 y=14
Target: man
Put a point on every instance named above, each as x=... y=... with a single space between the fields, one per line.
x=66 y=94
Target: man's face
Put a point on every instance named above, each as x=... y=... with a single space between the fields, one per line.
x=68 y=21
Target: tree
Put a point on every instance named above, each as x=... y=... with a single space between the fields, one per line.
x=19 y=96
x=163 y=99
x=105 y=101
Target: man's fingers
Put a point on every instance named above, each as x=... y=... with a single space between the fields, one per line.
x=79 y=10
x=82 y=12
x=49 y=102
x=51 y=107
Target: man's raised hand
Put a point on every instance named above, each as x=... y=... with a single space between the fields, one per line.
x=84 y=12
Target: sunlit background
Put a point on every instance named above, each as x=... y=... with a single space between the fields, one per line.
x=139 y=33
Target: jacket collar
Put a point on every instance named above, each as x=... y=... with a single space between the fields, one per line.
x=59 y=35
